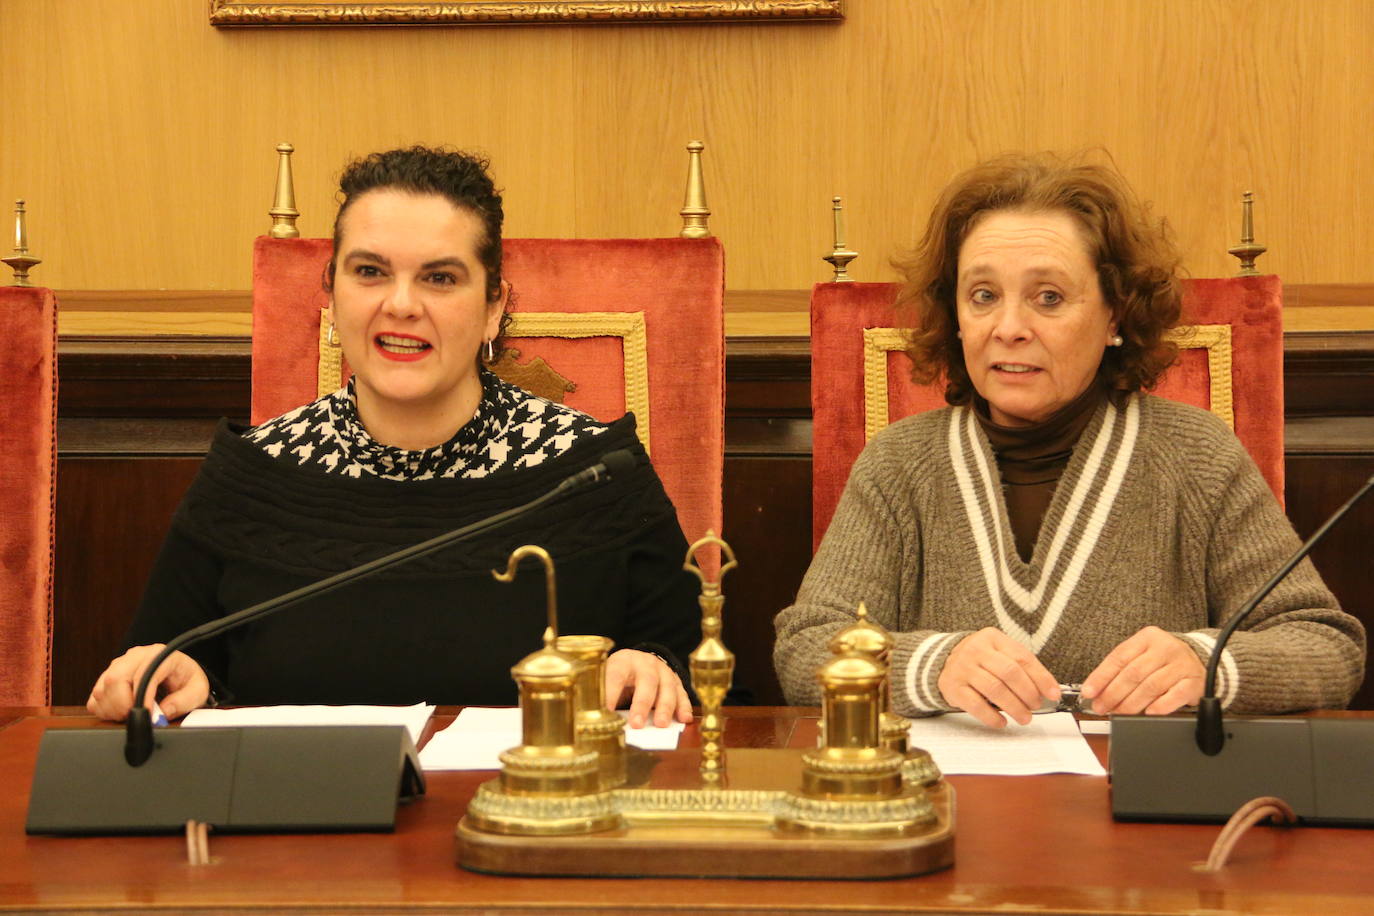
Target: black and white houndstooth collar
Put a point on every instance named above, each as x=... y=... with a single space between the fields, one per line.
x=511 y=429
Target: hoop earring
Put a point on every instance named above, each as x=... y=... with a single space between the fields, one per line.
x=1115 y=340
x=491 y=356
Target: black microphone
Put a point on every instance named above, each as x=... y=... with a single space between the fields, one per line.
x=1173 y=768
x=612 y=465
x=138 y=746
x=1211 y=737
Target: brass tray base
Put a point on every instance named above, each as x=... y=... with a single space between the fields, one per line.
x=672 y=830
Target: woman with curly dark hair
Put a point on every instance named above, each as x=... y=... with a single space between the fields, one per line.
x=422 y=440
x=1055 y=524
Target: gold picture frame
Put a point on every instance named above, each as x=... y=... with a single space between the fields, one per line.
x=512 y=12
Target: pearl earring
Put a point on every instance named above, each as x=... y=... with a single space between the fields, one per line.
x=959 y=334
x=1115 y=341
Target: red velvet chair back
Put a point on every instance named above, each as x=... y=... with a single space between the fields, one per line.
x=1230 y=362
x=634 y=324
x=28 y=422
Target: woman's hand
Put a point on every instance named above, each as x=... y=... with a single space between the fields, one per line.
x=179 y=680
x=653 y=685
x=1153 y=672
x=989 y=671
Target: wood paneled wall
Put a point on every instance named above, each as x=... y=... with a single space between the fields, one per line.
x=142 y=137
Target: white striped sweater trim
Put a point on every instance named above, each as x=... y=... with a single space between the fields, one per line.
x=1088 y=508
x=921 y=678
x=1228 y=676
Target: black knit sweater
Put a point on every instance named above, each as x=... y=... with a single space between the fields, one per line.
x=438 y=629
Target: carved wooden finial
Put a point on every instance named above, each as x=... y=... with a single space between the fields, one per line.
x=840 y=256
x=694 y=211
x=21 y=260
x=284 y=212
x=1247 y=250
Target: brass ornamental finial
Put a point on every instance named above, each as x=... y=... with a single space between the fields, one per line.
x=550 y=586
x=21 y=260
x=711 y=663
x=694 y=211
x=863 y=635
x=284 y=212
x=840 y=256
x=1247 y=251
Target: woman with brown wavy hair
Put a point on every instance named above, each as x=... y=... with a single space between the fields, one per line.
x=1055 y=524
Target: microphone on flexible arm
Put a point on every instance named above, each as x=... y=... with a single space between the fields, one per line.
x=1321 y=767
x=612 y=465
x=1210 y=735
x=81 y=759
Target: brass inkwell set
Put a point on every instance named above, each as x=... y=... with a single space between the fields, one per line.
x=572 y=799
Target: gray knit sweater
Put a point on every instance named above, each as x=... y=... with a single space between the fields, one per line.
x=1160 y=518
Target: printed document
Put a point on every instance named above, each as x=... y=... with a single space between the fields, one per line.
x=1051 y=743
x=479 y=734
x=412 y=717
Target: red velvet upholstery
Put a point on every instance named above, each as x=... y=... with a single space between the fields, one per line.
x=1251 y=306
x=676 y=284
x=28 y=418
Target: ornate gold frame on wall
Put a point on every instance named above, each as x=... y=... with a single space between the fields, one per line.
x=512 y=12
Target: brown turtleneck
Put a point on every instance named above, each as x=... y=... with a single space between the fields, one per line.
x=1032 y=458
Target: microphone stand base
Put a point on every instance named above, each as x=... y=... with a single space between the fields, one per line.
x=311 y=779
x=1320 y=766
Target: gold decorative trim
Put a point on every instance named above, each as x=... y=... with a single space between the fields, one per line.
x=514 y=758
x=919 y=769
x=494 y=811
x=329 y=370
x=592 y=729
x=881 y=761
x=878 y=342
x=1214 y=338
x=513 y=12
x=641 y=802
x=908 y=810
x=628 y=326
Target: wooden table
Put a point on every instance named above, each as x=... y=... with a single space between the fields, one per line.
x=1043 y=844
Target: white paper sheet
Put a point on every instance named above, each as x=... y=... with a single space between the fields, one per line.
x=1095 y=726
x=479 y=734
x=412 y=717
x=1051 y=743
